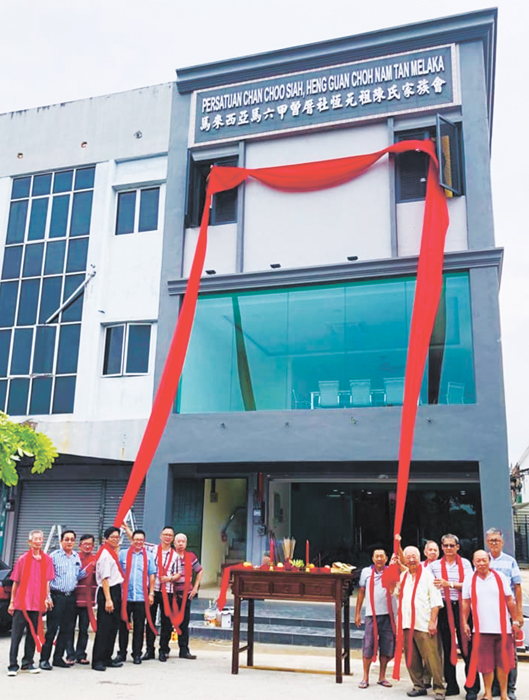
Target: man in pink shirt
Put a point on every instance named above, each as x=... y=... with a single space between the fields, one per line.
x=30 y=594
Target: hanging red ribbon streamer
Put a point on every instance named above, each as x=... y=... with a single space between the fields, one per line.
x=307 y=177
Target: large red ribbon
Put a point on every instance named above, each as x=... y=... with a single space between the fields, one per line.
x=307 y=177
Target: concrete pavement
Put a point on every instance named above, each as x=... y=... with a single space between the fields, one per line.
x=210 y=676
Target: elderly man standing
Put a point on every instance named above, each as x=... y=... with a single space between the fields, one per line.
x=379 y=623
x=61 y=616
x=450 y=571
x=187 y=565
x=419 y=605
x=27 y=596
x=506 y=565
x=488 y=593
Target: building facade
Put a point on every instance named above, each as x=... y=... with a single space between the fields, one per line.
x=288 y=412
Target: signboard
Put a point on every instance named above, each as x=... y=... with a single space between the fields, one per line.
x=381 y=87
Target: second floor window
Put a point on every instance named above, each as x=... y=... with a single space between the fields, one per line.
x=127 y=349
x=138 y=210
x=224 y=205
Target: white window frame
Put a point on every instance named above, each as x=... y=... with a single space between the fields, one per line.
x=124 y=348
x=138 y=190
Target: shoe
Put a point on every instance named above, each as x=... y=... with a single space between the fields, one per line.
x=471 y=696
x=452 y=691
x=162 y=656
x=99 y=667
x=114 y=663
x=30 y=668
x=12 y=670
x=45 y=666
x=120 y=657
x=136 y=660
x=148 y=656
x=512 y=695
x=61 y=663
x=416 y=692
x=439 y=696
x=83 y=662
x=189 y=655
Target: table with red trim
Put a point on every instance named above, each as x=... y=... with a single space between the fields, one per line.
x=256 y=584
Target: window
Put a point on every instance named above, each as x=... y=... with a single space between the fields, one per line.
x=127 y=347
x=138 y=210
x=324 y=346
x=412 y=167
x=224 y=206
x=44 y=261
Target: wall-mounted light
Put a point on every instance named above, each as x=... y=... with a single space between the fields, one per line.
x=275 y=266
x=138 y=134
x=20 y=156
x=352 y=258
x=84 y=144
x=211 y=272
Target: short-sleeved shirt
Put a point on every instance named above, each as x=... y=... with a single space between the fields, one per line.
x=426 y=598
x=169 y=565
x=488 y=600
x=68 y=571
x=33 y=597
x=86 y=588
x=135 y=591
x=452 y=573
x=381 y=598
x=507 y=566
x=195 y=566
x=106 y=568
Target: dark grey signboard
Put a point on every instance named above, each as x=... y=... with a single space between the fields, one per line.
x=406 y=82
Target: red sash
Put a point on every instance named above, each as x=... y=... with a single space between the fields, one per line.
x=400 y=633
x=188 y=571
x=124 y=597
x=473 y=667
x=449 y=612
x=38 y=635
x=162 y=571
x=88 y=597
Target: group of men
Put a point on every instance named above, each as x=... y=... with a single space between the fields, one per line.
x=445 y=605
x=155 y=579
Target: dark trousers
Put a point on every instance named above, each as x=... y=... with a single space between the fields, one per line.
x=60 y=618
x=448 y=668
x=166 y=626
x=136 y=613
x=107 y=626
x=183 y=637
x=76 y=653
x=20 y=625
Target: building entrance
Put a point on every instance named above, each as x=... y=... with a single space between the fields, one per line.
x=345 y=521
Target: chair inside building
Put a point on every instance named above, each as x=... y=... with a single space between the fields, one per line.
x=455 y=393
x=360 y=392
x=394 y=391
x=329 y=394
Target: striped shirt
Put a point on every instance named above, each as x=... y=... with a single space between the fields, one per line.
x=452 y=574
x=195 y=566
x=507 y=566
x=169 y=565
x=68 y=571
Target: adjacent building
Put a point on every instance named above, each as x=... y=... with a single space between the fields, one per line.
x=288 y=412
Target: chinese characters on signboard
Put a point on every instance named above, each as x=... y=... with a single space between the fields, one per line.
x=379 y=87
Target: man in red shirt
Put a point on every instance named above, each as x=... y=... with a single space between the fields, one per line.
x=85 y=593
x=31 y=593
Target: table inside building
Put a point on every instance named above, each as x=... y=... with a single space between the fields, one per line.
x=256 y=584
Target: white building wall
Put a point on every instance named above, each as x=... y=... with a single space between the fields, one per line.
x=410 y=220
x=110 y=413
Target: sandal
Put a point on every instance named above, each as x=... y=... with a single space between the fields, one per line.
x=363 y=684
x=83 y=662
x=385 y=683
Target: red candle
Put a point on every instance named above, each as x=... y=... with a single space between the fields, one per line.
x=271 y=551
x=307 y=554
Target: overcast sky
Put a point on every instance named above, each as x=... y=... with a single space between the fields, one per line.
x=60 y=50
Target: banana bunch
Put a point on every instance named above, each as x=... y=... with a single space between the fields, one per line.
x=339 y=567
x=298 y=563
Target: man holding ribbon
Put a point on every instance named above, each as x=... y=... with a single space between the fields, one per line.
x=138 y=588
x=488 y=595
x=450 y=571
x=166 y=576
x=419 y=604
x=109 y=577
x=379 y=622
x=61 y=616
x=185 y=591
x=30 y=598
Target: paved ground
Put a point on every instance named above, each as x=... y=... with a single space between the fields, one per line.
x=210 y=675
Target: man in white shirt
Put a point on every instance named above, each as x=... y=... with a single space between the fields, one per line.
x=109 y=579
x=493 y=640
x=419 y=604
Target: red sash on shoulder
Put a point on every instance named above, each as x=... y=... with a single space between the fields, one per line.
x=124 y=597
x=400 y=632
x=390 y=609
x=449 y=611
x=38 y=635
x=188 y=572
x=162 y=571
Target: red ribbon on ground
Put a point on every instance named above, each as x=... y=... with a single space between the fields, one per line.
x=307 y=177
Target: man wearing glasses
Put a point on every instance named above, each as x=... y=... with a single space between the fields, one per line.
x=507 y=565
x=449 y=572
x=61 y=614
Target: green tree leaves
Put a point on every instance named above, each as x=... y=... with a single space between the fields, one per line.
x=21 y=440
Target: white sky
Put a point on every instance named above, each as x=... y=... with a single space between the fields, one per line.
x=60 y=50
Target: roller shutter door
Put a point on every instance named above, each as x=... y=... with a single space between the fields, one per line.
x=114 y=490
x=72 y=504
